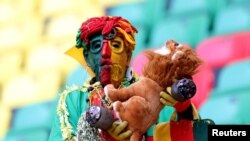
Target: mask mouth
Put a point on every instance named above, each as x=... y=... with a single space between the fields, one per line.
x=105 y=74
x=104 y=62
x=105 y=71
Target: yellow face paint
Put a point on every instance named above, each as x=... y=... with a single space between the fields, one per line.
x=120 y=60
x=120 y=57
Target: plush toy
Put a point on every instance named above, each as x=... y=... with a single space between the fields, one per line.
x=170 y=66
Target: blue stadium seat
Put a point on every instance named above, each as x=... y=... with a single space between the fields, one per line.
x=33 y=134
x=33 y=116
x=77 y=77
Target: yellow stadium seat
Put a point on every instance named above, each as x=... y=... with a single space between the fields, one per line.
x=10 y=64
x=5 y=117
x=31 y=88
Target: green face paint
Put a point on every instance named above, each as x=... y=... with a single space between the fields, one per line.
x=108 y=60
x=93 y=54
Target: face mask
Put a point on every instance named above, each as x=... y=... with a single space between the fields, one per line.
x=93 y=55
x=108 y=59
x=120 y=60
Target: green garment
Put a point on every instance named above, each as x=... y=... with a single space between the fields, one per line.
x=76 y=104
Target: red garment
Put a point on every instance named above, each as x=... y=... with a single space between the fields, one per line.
x=181 y=130
x=182 y=106
x=150 y=138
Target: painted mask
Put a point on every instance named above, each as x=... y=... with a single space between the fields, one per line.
x=108 y=59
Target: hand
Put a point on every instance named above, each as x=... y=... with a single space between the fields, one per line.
x=117 y=131
x=168 y=100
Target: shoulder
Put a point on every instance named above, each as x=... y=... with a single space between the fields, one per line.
x=69 y=109
x=72 y=91
x=71 y=96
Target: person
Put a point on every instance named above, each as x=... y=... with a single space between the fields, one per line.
x=104 y=47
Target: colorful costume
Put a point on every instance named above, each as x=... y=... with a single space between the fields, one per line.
x=104 y=48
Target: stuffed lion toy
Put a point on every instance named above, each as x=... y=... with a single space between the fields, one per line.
x=171 y=67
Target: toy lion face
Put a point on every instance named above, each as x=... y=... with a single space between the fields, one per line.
x=170 y=63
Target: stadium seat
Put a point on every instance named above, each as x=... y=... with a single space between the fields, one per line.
x=34 y=134
x=231 y=19
x=184 y=29
x=27 y=88
x=136 y=15
x=134 y=12
x=141 y=40
x=214 y=6
x=138 y=63
x=243 y=42
x=77 y=77
x=239 y=2
x=218 y=51
x=178 y=7
x=33 y=116
x=228 y=107
x=5 y=117
x=204 y=81
x=155 y=11
x=234 y=76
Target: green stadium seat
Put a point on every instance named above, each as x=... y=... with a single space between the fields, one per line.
x=141 y=40
x=214 y=6
x=229 y=101
x=239 y=2
x=231 y=19
x=234 y=76
x=178 y=7
x=134 y=12
x=155 y=11
x=184 y=29
x=228 y=107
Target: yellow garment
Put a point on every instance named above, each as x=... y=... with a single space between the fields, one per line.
x=162 y=132
x=77 y=53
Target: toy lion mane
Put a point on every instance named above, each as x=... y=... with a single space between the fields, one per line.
x=170 y=63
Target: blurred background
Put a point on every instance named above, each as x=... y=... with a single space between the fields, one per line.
x=34 y=34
